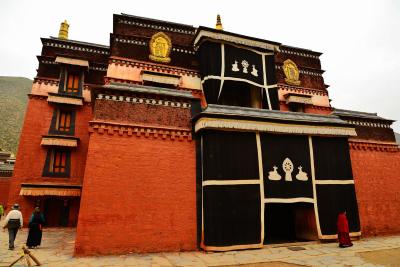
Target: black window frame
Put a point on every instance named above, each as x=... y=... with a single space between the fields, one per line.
x=55 y=119
x=64 y=74
x=47 y=170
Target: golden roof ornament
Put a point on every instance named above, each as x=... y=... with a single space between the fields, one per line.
x=63 y=33
x=218 y=26
x=160 y=48
x=291 y=72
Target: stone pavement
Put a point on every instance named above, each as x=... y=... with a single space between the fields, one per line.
x=58 y=243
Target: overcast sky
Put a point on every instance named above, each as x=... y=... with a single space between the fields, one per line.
x=360 y=40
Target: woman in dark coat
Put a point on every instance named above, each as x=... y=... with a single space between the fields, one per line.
x=343 y=230
x=35 y=229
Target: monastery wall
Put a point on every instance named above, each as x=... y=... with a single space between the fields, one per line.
x=31 y=154
x=142 y=189
x=376 y=178
x=4 y=188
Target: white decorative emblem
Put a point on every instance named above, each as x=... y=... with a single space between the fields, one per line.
x=235 y=66
x=274 y=175
x=301 y=176
x=287 y=167
x=254 y=72
x=245 y=65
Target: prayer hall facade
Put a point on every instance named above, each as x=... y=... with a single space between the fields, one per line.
x=177 y=138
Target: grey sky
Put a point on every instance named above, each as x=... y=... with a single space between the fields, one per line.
x=360 y=39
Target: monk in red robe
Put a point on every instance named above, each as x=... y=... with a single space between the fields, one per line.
x=343 y=231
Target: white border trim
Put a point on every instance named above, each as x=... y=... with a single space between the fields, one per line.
x=261 y=126
x=238 y=40
x=289 y=200
x=310 y=145
x=229 y=182
x=332 y=182
x=261 y=173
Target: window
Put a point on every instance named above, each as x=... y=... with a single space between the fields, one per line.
x=63 y=122
x=71 y=80
x=296 y=107
x=72 y=85
x=57 y=163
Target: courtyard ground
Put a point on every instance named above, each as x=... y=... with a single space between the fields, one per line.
x=58 y=243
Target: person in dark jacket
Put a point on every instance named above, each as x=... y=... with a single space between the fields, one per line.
x=343 y=230
x=35 y=229
x=13 y=222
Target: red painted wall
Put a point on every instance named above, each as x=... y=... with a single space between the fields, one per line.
x=139 y=195
x=31 y=155
x=4 y=188
x=377 y=183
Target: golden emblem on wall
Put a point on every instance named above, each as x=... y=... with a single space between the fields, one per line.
x=160 y=48
x=291 y=72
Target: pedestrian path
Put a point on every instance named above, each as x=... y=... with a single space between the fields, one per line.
x=58 y=244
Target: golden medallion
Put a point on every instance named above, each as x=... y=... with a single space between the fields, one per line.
x=160 y=48
x=291 y=72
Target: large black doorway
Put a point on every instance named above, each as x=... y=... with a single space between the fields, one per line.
x=56 y=212
x=289 y=222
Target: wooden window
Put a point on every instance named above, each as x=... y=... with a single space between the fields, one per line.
x=72 y=85
x=57 y=163
x=63 y=122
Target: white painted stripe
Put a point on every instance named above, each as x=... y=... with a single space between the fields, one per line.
x=202 y=195
x=222 y=74
x=233 y=247
x=334 y=181
x=310 y=144
x=230 y=182
x=213 y=77
x=335 y=236
x=261 y=173
x=265 y=82
x=289 y=200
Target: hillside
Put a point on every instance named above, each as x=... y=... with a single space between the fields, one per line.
x=397 y=135
x=13 y=100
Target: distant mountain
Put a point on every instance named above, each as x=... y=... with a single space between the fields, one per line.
x=397 y=135
x=13 y=100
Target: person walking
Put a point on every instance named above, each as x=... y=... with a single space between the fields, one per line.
x=343 y=230
x=1 y=211
x=13 y=222
x=35 y=229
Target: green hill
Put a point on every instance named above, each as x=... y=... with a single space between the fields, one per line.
x=13 y=100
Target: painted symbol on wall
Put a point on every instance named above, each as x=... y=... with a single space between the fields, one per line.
x=235 y=67
x=288 y=167
x=301 y=176
x=245 y=66
x=274 y=175
x=254 y=72
x=160 y=48
x=291 y=72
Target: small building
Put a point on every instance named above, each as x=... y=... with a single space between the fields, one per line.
x=179 y=138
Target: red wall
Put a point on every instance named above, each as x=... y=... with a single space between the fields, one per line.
x=377 y=183
x=31 y=155
x=139 y=195
x=4 y=188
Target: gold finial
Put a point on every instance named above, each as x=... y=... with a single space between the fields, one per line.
x=63 y=33
x=218 y=26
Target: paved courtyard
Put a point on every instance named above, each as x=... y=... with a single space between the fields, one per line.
x=57 y=249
